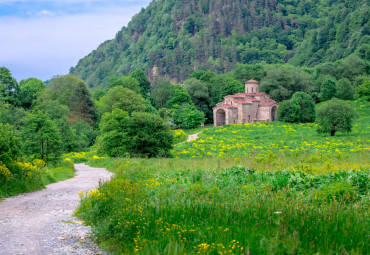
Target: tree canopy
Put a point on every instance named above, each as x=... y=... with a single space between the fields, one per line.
x=333 y=116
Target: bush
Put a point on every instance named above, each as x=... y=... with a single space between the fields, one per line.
x=307 y=106
x=9 y=144
x=363 y=90
x=187 y=117
x=179 y=135
x=142 y=134
x=148 y=135
x=328 y=90
x=289 y=111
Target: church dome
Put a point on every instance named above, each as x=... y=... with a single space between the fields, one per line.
x=252 y=81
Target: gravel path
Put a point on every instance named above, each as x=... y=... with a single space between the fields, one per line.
x=42 y=222
x=193 y=137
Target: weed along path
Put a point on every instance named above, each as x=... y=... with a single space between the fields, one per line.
x=42 y=222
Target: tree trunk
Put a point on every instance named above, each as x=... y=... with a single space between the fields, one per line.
x=42 y=150
x=332 y=133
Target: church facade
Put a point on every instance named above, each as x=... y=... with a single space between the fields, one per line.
x=251 y=106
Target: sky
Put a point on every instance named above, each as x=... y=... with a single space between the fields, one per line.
x=43 y=38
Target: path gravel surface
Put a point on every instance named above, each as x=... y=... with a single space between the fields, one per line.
x=42 y=223
x=193 y=137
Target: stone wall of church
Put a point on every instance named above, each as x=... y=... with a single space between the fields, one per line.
x=264 y=113
x=232 y=117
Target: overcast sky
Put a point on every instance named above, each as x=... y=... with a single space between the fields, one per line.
x=43 y=38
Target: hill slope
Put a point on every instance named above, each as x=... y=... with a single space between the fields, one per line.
x=182 y=36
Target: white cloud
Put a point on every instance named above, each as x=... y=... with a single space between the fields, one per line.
x=48 y=45
x=45 y=12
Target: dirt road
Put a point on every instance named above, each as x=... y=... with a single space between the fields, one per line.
x=42 y=222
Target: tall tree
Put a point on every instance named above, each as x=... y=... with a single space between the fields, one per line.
x=40 y=136
x=144 y=83
x=334 y=115
x=307 y=106
x=122 y=98
x=328 y=90
x=345 y=90
x=29 y=89
x=9 y=87
x=71 y=91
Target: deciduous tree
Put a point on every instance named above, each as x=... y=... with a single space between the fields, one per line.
x=334 y=115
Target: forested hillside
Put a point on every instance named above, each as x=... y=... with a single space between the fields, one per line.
x=180 y=37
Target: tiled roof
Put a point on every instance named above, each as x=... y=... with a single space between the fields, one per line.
x=252 y=81
x=226 y=106
x=253 y=99
x=268 y=103
x=243 y=102
x=236 y=96
x=251 y=94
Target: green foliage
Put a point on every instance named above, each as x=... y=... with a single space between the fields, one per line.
x=344 y=89
x=121 y=98
x=114 y=139
x=180 y=97
x=247 y=72
x=282 y=81
x=307 y=105
x=29 y=89
x=85 y=135
x=9 y=144
x=199 y=94
x=71 y=91
x=142 y=134
x=179 y=135
x=222 y=85
x=144 y=83
x=333 y=116
x=40 y=136
x=31 y=176
x=182 y=36
x=161 y=92
x=328 y=90
x=125 y=82
x=9 y=88
x=363 y=90
x=351 y=67
x=187 y=117
x=204 y=76
x=10 y=114
x=289 y=111
x=149 y=136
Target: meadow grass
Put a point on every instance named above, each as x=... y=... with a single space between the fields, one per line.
x=296 y=192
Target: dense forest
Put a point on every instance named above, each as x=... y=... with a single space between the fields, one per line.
x=180 y=37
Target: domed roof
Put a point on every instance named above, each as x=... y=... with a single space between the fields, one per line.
x=252 y=81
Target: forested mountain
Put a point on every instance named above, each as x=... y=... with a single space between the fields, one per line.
x=182 y=36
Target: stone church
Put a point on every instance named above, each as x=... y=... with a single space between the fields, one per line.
x=248 y=107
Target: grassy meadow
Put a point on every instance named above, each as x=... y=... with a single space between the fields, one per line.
x=264 y=188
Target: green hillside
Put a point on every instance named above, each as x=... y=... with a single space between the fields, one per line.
x=180 y=37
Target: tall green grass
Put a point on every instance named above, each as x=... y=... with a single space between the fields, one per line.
x=160 y=210
x=296 y=192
